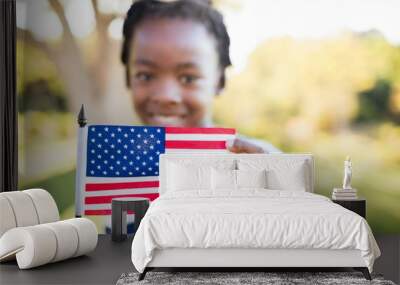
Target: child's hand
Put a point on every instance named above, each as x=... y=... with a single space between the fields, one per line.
x=240 y=145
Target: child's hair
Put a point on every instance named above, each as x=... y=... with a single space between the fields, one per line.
x=200 y=11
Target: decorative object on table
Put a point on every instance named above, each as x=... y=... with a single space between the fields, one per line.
x=347 y=192
x=122 y=161
x=358 y=205
x=120 y=207
x=215 y=278
x=31 y=233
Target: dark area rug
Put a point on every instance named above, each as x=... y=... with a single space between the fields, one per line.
x=228 y=278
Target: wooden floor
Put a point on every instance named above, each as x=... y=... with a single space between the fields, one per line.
x=110 y=260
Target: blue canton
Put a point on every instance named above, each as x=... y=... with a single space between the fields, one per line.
x=124 y=151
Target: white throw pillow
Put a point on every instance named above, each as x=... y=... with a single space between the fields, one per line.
x=282 y=174
x=184 y=177
x=223 y=179
x=251 y=178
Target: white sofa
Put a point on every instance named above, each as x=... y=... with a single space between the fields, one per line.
x=31 y=233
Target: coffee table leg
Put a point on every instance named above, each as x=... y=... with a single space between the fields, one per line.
x=118 y=223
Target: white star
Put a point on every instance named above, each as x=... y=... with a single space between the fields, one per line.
x=105 y=151
x=112 y=146
x=157 y=163
x=93 y=140
x=111 y=167
x=118 y=162
x=105 y=140
x=112 y=156
x=158 y=142
x=138 y=135
x=156 y=172
x=112 y=135
x=130 y=173
x=138 y=146
x=131 y=151
x=119 y=151
x=98 y=167
x=132 y=141
x=125 y=157
x=150 y=168
x=132 y=130
x=145 y=130
x=151 y=158
x=126 y=135
x=99 y=145
x=152 y=136
x=157 y=152
x=106 y=129
x=92 y=172
x=93 y=129
x=137 y=157
x=99 y=156
x=143 y=163
x=105 y=161
x=119 y=129
x=145 y=141
x=92 y=161
x=92 y=150
x=99 y=134
x=143 y=173
x=136 y=168
x=130 y=162
x=151 y=147
x=119 y=140
x=158 y=130
x=124 y=168
x=125 y=146
x=117 y=173
x=145 y=152
x=105 y=172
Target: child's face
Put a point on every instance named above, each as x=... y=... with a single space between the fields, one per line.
x=174 y=72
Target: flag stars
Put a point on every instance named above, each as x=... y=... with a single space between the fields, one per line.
x=150 y=158
x=138 y=146
x=99 y=135
x=112 y=156
x=118 y=151
x=132 y=130
x=118 y=162
x=106 y=129
x=106 y=140
x=156 y=163
x=131 y=151
x=99 y=156
x=125 y=157
x=105 y=172
x=93 y=151
x=112 y=135
x=124 y=168
x=92 y=172
x=150 y=168
x=143 y=163
x=138 y=135
x=157 y=152
x=126 y=135
x=137 y=157
x=152 y=136
x=130 y=173
x=99 y=145
x=156 y=172
x=143 y=173
x=158 y=130
x=125 y=146
x=119 y=140
x=105 y=161
x=137 y=168
x=132 y=141
x=111 y=167
x=151 y=147
x=92 y=140
x=93 y=129
x=98 y=166
x=119 y=129
x=105 y=151
x=145 y=130
x=158 y=141
x=145 y=152
x=130 y=162
x=117 y=173
x=145 y=141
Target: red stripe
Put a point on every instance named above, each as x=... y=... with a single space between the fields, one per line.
x=178 y=130
x=101 y=212
x=121 y=185
x=107 y=199
x=196 y=144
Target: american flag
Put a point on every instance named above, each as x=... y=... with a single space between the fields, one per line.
x=122 y=161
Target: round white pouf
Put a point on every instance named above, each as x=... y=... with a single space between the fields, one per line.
x=45 y=205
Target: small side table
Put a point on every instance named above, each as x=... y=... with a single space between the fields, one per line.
x=120 y=207
x=358 y=206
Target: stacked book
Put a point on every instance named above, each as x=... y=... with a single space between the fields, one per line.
x=344 y=194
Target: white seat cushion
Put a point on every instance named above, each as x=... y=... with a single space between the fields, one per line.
x=40 y=244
